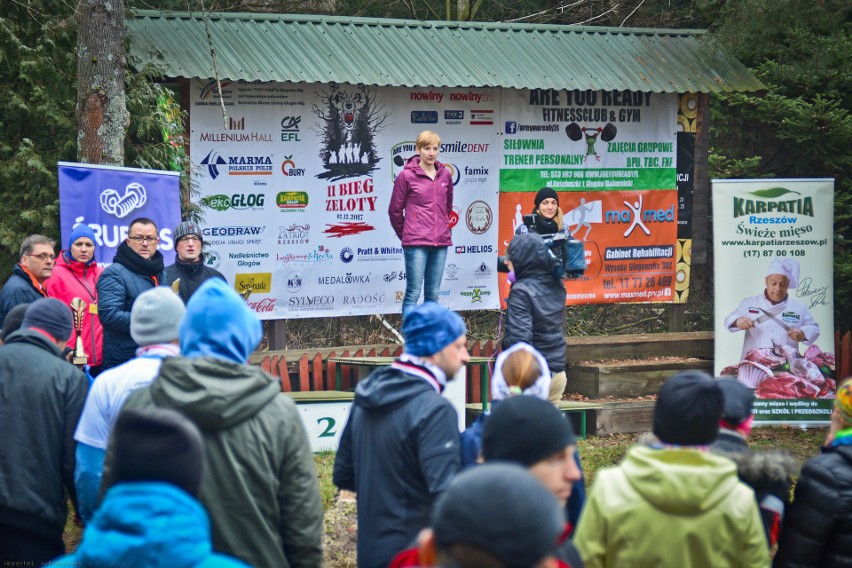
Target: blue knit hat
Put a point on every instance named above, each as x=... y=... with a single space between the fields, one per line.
x=81 y=230
x=430 y=327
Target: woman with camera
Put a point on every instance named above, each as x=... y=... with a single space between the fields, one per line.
x=547 y=215
x=542 y=253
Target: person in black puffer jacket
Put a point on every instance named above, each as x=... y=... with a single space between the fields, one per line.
x=535 y=309
x=768 y=472
x=818 y=529
x=189 y=269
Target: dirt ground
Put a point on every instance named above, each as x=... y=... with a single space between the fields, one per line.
x=340 y=532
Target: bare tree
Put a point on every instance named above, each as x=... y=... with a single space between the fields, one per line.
x=102 y=116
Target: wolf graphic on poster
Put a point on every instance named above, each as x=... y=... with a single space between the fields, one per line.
x=349 y=117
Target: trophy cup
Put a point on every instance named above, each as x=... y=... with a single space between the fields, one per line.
x=176 y=285
x=78 y=310
x=246 y=293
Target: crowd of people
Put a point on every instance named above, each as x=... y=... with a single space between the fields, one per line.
x=173 y=451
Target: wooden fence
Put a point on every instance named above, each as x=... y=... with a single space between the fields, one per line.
x=317 y=373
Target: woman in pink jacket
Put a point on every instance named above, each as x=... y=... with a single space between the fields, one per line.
x=75 y=276
x=419 y=211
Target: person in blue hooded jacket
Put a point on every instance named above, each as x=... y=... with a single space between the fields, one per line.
x=151 y=516
x=261 y=489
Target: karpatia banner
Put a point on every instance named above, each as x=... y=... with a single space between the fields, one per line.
x=773 y=273
x=611 y=156
x=296 y=179
x=108 y=198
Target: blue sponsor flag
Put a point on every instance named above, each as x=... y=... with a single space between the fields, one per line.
x=108 y=198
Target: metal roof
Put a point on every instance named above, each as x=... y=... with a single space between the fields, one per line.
x=410 y=53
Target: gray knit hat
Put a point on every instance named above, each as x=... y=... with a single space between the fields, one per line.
x=187 y=228
x=155 y=316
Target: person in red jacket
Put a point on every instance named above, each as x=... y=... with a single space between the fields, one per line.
x=75 y=276
x=419 y=212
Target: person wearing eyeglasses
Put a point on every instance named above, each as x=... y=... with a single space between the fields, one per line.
x=27 y=282
x=76 y=276
x=137 y=266
x=189 y=269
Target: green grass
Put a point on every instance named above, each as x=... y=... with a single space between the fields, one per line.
x=324 y=462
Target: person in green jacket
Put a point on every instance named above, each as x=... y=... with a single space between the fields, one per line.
x=260 y=488
x=672 y=503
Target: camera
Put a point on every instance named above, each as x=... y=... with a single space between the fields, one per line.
x=567 y=254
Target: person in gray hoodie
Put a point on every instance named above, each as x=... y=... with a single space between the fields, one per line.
x=261 y=489
x=400 y=448
x=535 y=309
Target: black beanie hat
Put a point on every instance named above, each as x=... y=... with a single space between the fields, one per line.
x=545 y=193
x=525 y=430
x=688 y=409
x=500 y=509
x=12 y=321
x=157 y=444
x=50 y=315
x=738 y=401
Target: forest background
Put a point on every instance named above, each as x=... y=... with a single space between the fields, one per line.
x=800 y=127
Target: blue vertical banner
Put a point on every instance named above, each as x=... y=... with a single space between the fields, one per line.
x=108 y=198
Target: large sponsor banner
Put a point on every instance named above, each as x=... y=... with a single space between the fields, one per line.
x=296 y=180
x=774 y=337
x=108 y=198
x=611 y=156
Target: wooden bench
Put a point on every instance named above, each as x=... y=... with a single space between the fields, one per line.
x=629 y=377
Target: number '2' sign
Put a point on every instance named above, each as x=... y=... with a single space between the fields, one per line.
x=324 y=422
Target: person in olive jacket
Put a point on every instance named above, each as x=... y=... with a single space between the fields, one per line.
x=260 y=488
x=817 y=530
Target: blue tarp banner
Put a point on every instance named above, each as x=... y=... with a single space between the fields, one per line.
x=108 y=198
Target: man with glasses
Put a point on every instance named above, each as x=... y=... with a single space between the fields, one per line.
x=26 y=285
x=189 y=269
x=137 y=266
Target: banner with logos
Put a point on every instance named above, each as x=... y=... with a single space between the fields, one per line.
x=773 y=274
x=611 y=156
x=296 y=180
x=108 y=198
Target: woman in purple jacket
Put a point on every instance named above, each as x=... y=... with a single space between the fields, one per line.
x=419 y=211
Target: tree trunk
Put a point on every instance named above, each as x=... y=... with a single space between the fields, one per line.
x=102 y=116
x=463 y=10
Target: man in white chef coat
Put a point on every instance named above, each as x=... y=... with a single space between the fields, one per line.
x=773 y=314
